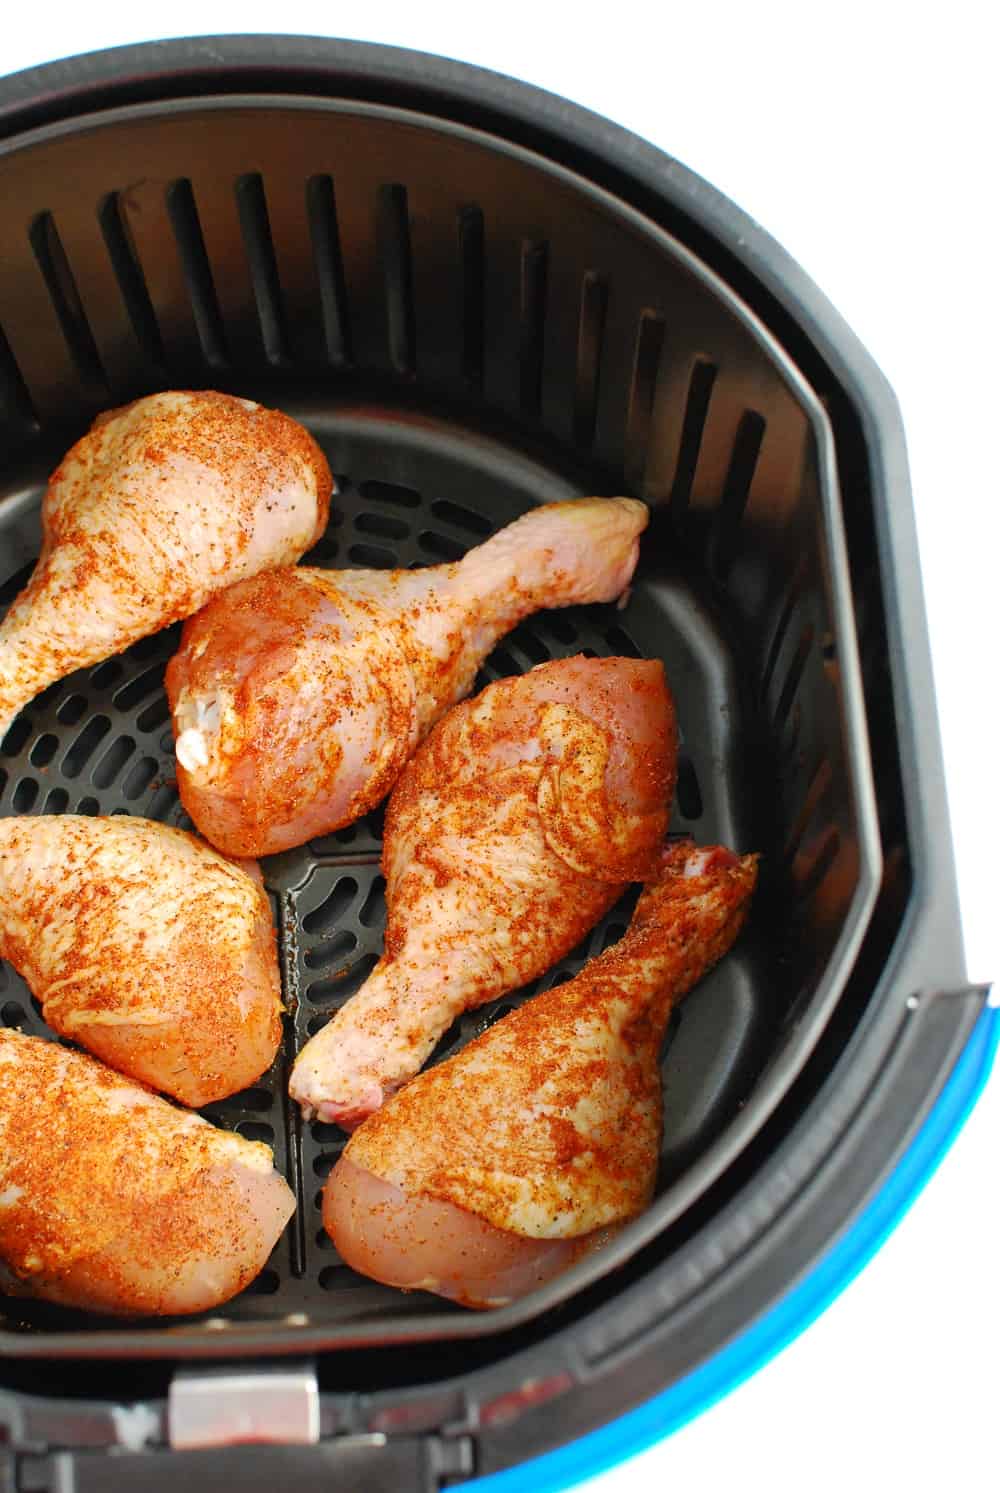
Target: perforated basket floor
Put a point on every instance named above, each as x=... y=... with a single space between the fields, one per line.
x=100 y=743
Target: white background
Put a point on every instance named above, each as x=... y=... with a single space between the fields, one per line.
x=866 y=139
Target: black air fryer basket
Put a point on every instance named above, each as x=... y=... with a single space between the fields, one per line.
x=480 y=298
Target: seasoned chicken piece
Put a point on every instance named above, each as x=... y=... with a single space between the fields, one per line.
x=115 y=1201
x=503 y=1165
x=144 y=945
x=511 y=833
x=298 y=697
x=162 y=503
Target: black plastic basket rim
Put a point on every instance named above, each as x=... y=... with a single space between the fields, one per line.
x=782 y=1071
x=792 y=311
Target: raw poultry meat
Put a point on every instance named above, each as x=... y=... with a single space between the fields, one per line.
x=161 y=503
x=510 y=834
x=144 y=945
x=298 y=697
x=503 y=1165
x=113 y=1200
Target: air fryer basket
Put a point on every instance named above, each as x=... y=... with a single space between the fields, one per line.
x=480 y=299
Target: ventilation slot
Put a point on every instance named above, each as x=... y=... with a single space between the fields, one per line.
x=821 y=782
x=331 y=951
x=531 y=645
x=72 y=709
x=129 y=274
x=66 y=302
x=321 y=207
x=17 y=736
x=620 y=643
x=439 y=546
x=106 y=673
x=689 y=800
x=648 y=349
x=336 y=990
x=44 y=750
x=84 y=748
x=390 y=492
x=472 y=257
x=463 y=518
x=373 y=909
x=793 y=678
x=146 y=683
x=112 y=762
x=183 y=213
x=154 y=715
x=15 y=584
x=397 y=270
x=23 y=799
x=139 y=778
x=534 y=289
x=810 y=875
x=703 y=376
x=736 y=492
x=781 y=627
x=324 y=918
x=590 y=341
x=384 y=525
x=255 y=226
x=373 y=556
x=15 y=402
x=266 y=1284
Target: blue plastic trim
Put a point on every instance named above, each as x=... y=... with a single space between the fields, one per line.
x=666 y=1412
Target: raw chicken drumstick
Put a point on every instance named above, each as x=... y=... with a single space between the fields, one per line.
x=510 y=834
x=298 y=696
x=115 y=1201
x=505 y=1164
x=144 y=945
x=162 y=503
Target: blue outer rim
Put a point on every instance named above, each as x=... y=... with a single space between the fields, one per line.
x=683 y=1401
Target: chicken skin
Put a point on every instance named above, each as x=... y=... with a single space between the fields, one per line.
x=503 y=1165
x=297 y=697
x=162 y=503
x=144 y=945
x=113 y=1200
x=510 y=834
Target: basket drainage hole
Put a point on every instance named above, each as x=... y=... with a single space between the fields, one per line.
x=72 y=709
x=17 y=736
x=462 y=518
x=384 y=525
x=266 y=1284
x=256 y=1130
x=373 y=556
x=24 y=796
x=390 y=492
x=324 y=1163
x=440 y=546
x=85 y=745
x=689 y=799
x=339 y=1278
x=325 y=917
x=44 y=750
x=12 y=1014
